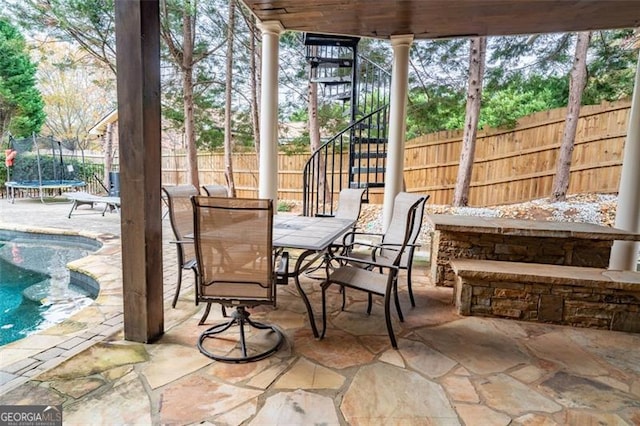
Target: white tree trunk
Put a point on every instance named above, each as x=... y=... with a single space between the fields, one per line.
x=477 y=55
x=314 y=127
x=108 y=154
x=254 y=80
x=577 y=82
x=187 y=88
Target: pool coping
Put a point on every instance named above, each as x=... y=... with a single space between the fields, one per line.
x=26 y=358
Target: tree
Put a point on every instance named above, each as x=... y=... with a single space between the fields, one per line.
x=21 y=105
x=254 y=76
x=90 y=23
x=76 y=89
x=477 y=54
x=576 y=86
x=228 y=142
x=612 y=66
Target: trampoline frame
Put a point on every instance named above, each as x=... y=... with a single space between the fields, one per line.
x=41 y=185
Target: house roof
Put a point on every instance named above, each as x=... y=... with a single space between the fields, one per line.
x=446 y=18
x=100 y=127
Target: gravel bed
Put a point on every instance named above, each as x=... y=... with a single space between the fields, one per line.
x=590 y=208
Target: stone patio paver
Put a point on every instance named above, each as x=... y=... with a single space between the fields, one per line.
x=421 y=357
x=459 y=388
x=476 y=344
x=506 y=394
x=476 y=414
x=307 y=375
x=556 y=348
x=125 y=403
x=384 y=394
x=296 y=408
x=194 y=398
x=171 y=362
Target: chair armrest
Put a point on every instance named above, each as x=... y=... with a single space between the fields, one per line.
x=181 y=242
x=352 y=234
x=399 y=245
x=282 y=267
x=366 y=262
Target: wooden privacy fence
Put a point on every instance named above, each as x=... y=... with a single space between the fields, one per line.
x=510 y=165
x=519 y=165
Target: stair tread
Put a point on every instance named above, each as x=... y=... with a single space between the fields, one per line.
x=362 y=169
x=366 y=185
x=343 y=96
x=365 y=154
x=332 y=80
x=330 y=62
x=364 y=140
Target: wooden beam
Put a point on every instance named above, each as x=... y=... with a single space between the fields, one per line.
x=427 y=19
x=138 y=58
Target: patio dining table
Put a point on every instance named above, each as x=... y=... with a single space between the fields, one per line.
x=313 y=235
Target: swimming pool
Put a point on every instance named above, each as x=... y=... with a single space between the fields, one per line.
x=36 y=288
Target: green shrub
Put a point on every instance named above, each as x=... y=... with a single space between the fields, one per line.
x=285 y=206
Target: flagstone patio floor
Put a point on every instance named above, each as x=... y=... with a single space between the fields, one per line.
x=449 y=369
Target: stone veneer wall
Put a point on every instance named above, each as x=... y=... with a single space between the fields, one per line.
x=556 y=251
x=595 y=305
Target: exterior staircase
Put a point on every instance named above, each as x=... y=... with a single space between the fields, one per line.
x=356 y=156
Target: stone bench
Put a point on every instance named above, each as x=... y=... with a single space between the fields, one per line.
x=560 y=294
x=517 y=240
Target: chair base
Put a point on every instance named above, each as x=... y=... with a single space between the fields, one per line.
x=240 y=317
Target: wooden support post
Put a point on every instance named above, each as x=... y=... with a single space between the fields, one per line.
x=138 y=58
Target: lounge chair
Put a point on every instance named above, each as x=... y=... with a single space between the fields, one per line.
x=81 y=198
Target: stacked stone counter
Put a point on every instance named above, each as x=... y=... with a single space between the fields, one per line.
x=514 y=240
x=584 y=297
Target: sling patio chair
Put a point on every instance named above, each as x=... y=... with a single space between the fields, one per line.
x=385 y=250
x=215 y=190
x=236 y=268
x=372 y=276
x=178 y=200
x=349 y=207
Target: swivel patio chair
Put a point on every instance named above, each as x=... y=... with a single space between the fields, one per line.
x=236 y=268
x=375 y=277
x=215 y=190
x=385 y=250
x=181 y=216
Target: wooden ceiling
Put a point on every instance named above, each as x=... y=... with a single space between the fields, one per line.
x=446 y=18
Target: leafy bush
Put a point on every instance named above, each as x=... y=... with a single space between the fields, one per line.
x=3 y=170
x=285 y=206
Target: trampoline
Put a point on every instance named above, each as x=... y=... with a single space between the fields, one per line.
x=42 y=186
x=38 y=167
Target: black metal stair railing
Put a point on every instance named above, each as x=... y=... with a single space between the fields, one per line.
x=330 y=168
x=355 y=157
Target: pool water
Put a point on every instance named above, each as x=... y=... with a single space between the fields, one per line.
x=36 y=289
